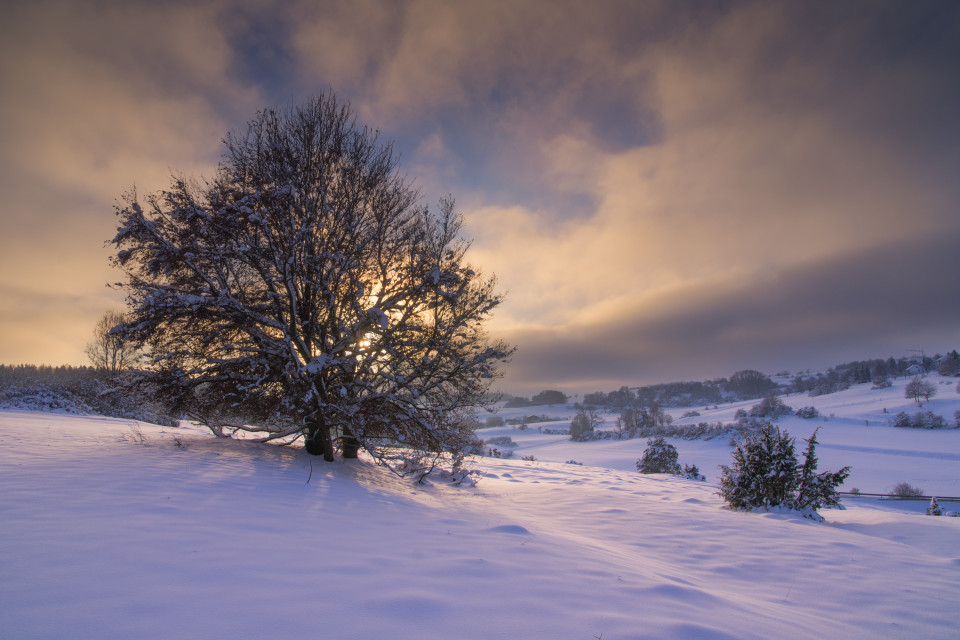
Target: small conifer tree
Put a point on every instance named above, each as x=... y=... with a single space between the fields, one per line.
x=659 y=457
x=691 y=472
x=817 y=490
x=766 y=474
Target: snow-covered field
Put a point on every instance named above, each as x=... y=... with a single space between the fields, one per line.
x=110 y=535
x=855 y=432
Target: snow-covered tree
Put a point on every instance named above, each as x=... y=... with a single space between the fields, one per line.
x=750 y=384
x=934 y=508
x=659 y=457
x=549 y=396
x=766 y=473
x=816 y=490
x=303 y=291
x=919 y=388
x=771 y=407
x=106 y=350
x=584 y=423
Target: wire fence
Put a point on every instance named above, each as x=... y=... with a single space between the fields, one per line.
x=890 y=496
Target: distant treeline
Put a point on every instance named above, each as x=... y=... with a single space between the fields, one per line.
x=742 y=385
x=83 y=389
x=44 y=374
x=79 y=390
x=750 y=384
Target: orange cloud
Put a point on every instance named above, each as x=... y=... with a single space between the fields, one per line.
x=94 y=107
x=611 y=158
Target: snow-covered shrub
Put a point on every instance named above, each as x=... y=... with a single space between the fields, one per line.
x=78 y=390
x=928 y=420
x=659 y=457
x=764 y=470
x=494 y=421
x=902 y=419
x=693 y=413
x=817 y=490
x=474 y=446
x=766 y=474
x=42 y=398
x=905 y=490
x=934 y=508
x=808 y=413
x=583 y=424
x=770 y=407
x=920 y=420
x=691 y=472
x=501 y=441
x=881 y=382
x=740 y=413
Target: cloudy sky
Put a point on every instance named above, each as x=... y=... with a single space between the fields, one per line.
x=666 y=190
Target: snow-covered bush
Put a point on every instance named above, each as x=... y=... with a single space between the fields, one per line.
x=766 y=474
x=78 y=390
x=902 y=419
x=501 y=441
x=905 y=490
x=691 y=472
x=808 y=413
x=770 y=407
x=583 y=425
x=920 y=420
x=934 y=508
x=659 y=457
x=42 y=398
x=475 y=446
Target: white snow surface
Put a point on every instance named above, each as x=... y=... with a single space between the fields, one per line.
x=108 y=536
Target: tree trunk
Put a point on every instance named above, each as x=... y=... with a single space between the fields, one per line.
x=349 y=445
x=317 y=440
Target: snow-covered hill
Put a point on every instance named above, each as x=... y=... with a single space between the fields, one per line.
x=113 y=529
x=855 y=431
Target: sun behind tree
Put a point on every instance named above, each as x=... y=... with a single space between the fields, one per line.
x=305 y=292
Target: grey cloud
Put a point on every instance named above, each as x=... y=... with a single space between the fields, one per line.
x=617 y=149
x=873 y=303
